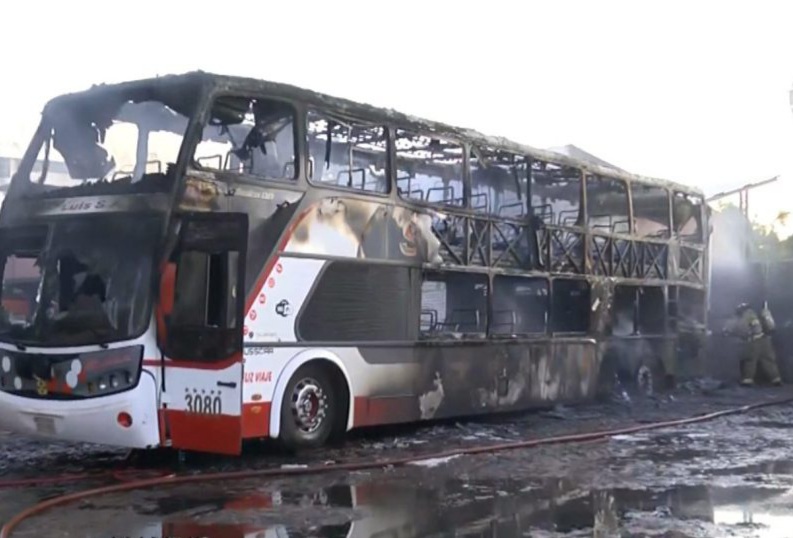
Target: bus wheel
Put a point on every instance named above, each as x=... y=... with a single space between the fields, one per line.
x=308 y=412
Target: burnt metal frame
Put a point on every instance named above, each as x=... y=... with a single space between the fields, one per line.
x=248 y=177
x=626 y=255
x=479 y=228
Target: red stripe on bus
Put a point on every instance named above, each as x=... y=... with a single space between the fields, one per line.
x=385 y=410
x=256 y=419
x=162 y=426
x=268 y=268
x=218 y=434
x=366 y=493
x=175 y=363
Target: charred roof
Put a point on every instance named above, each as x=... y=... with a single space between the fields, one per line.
x=191 y=85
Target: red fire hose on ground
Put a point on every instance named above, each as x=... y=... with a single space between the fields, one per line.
x=172 y=479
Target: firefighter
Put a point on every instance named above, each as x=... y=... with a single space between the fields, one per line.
x=755 y=334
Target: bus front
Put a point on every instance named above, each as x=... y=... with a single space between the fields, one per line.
x=81 y=231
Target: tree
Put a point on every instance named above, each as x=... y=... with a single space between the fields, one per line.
x=769 y=247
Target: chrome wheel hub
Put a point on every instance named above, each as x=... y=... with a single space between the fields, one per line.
x=309 y=405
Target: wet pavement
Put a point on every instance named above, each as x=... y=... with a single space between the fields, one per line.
x=728 y=477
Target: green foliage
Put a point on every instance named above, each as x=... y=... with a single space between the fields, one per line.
x=769 y=246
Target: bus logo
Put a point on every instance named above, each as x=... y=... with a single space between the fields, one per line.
x=283 y=308
x=41 y=386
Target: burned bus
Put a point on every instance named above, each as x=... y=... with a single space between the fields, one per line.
x=228 y=259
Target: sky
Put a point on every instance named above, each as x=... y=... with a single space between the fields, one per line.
x=696 y=92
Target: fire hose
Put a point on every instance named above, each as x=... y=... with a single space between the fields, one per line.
x=173 y=479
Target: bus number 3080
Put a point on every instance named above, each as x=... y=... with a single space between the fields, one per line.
x=204 y=404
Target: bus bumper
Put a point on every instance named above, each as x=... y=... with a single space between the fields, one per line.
x=94 y=420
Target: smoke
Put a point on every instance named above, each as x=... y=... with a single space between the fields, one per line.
x=732 y=240
x=623 y=323
x=736 y=277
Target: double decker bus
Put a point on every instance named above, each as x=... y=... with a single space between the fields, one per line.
x=226 y=259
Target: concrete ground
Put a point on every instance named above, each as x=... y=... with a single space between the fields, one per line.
x=729 y=477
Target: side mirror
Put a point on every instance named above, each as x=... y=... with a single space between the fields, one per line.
x=165 y=301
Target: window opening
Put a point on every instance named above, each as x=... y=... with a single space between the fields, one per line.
x=346 y=153
x=520 y=306
x=607 y=205
x=556 y=194
x=453 y=305
x=248 y=135
x=429 y=169
x=570 y=306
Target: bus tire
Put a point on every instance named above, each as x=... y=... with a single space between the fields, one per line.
x=309 y=408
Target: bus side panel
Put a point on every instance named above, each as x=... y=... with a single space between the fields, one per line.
x=352 y=228
x=263 y=367
x=402 y=384
x=271 y=213
x=449 y=380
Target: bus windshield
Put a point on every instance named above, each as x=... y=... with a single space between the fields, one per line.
x=77 y=281
x=111 y=136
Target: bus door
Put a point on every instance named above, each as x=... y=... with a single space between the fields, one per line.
x=200 y=320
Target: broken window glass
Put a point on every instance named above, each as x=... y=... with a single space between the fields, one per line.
x=520 y=306
x=429 y=169
x=20 y=286
x=650 y=210
x=253 y=136
x=453 y=305
x=90 y=286
x=687 y=217
x=121 y=136
x=607 y=205
x=21 y=276
x=499 y=182
x=570 y=306
x=556 y=194
x=347 y=153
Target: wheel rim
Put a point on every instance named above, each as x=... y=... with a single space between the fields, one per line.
x=309 y=405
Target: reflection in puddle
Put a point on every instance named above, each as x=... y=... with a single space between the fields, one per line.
x=394 y=508
x=761 y=523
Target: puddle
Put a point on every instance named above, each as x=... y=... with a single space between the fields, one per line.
x=692 y=482
x=405 y=507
